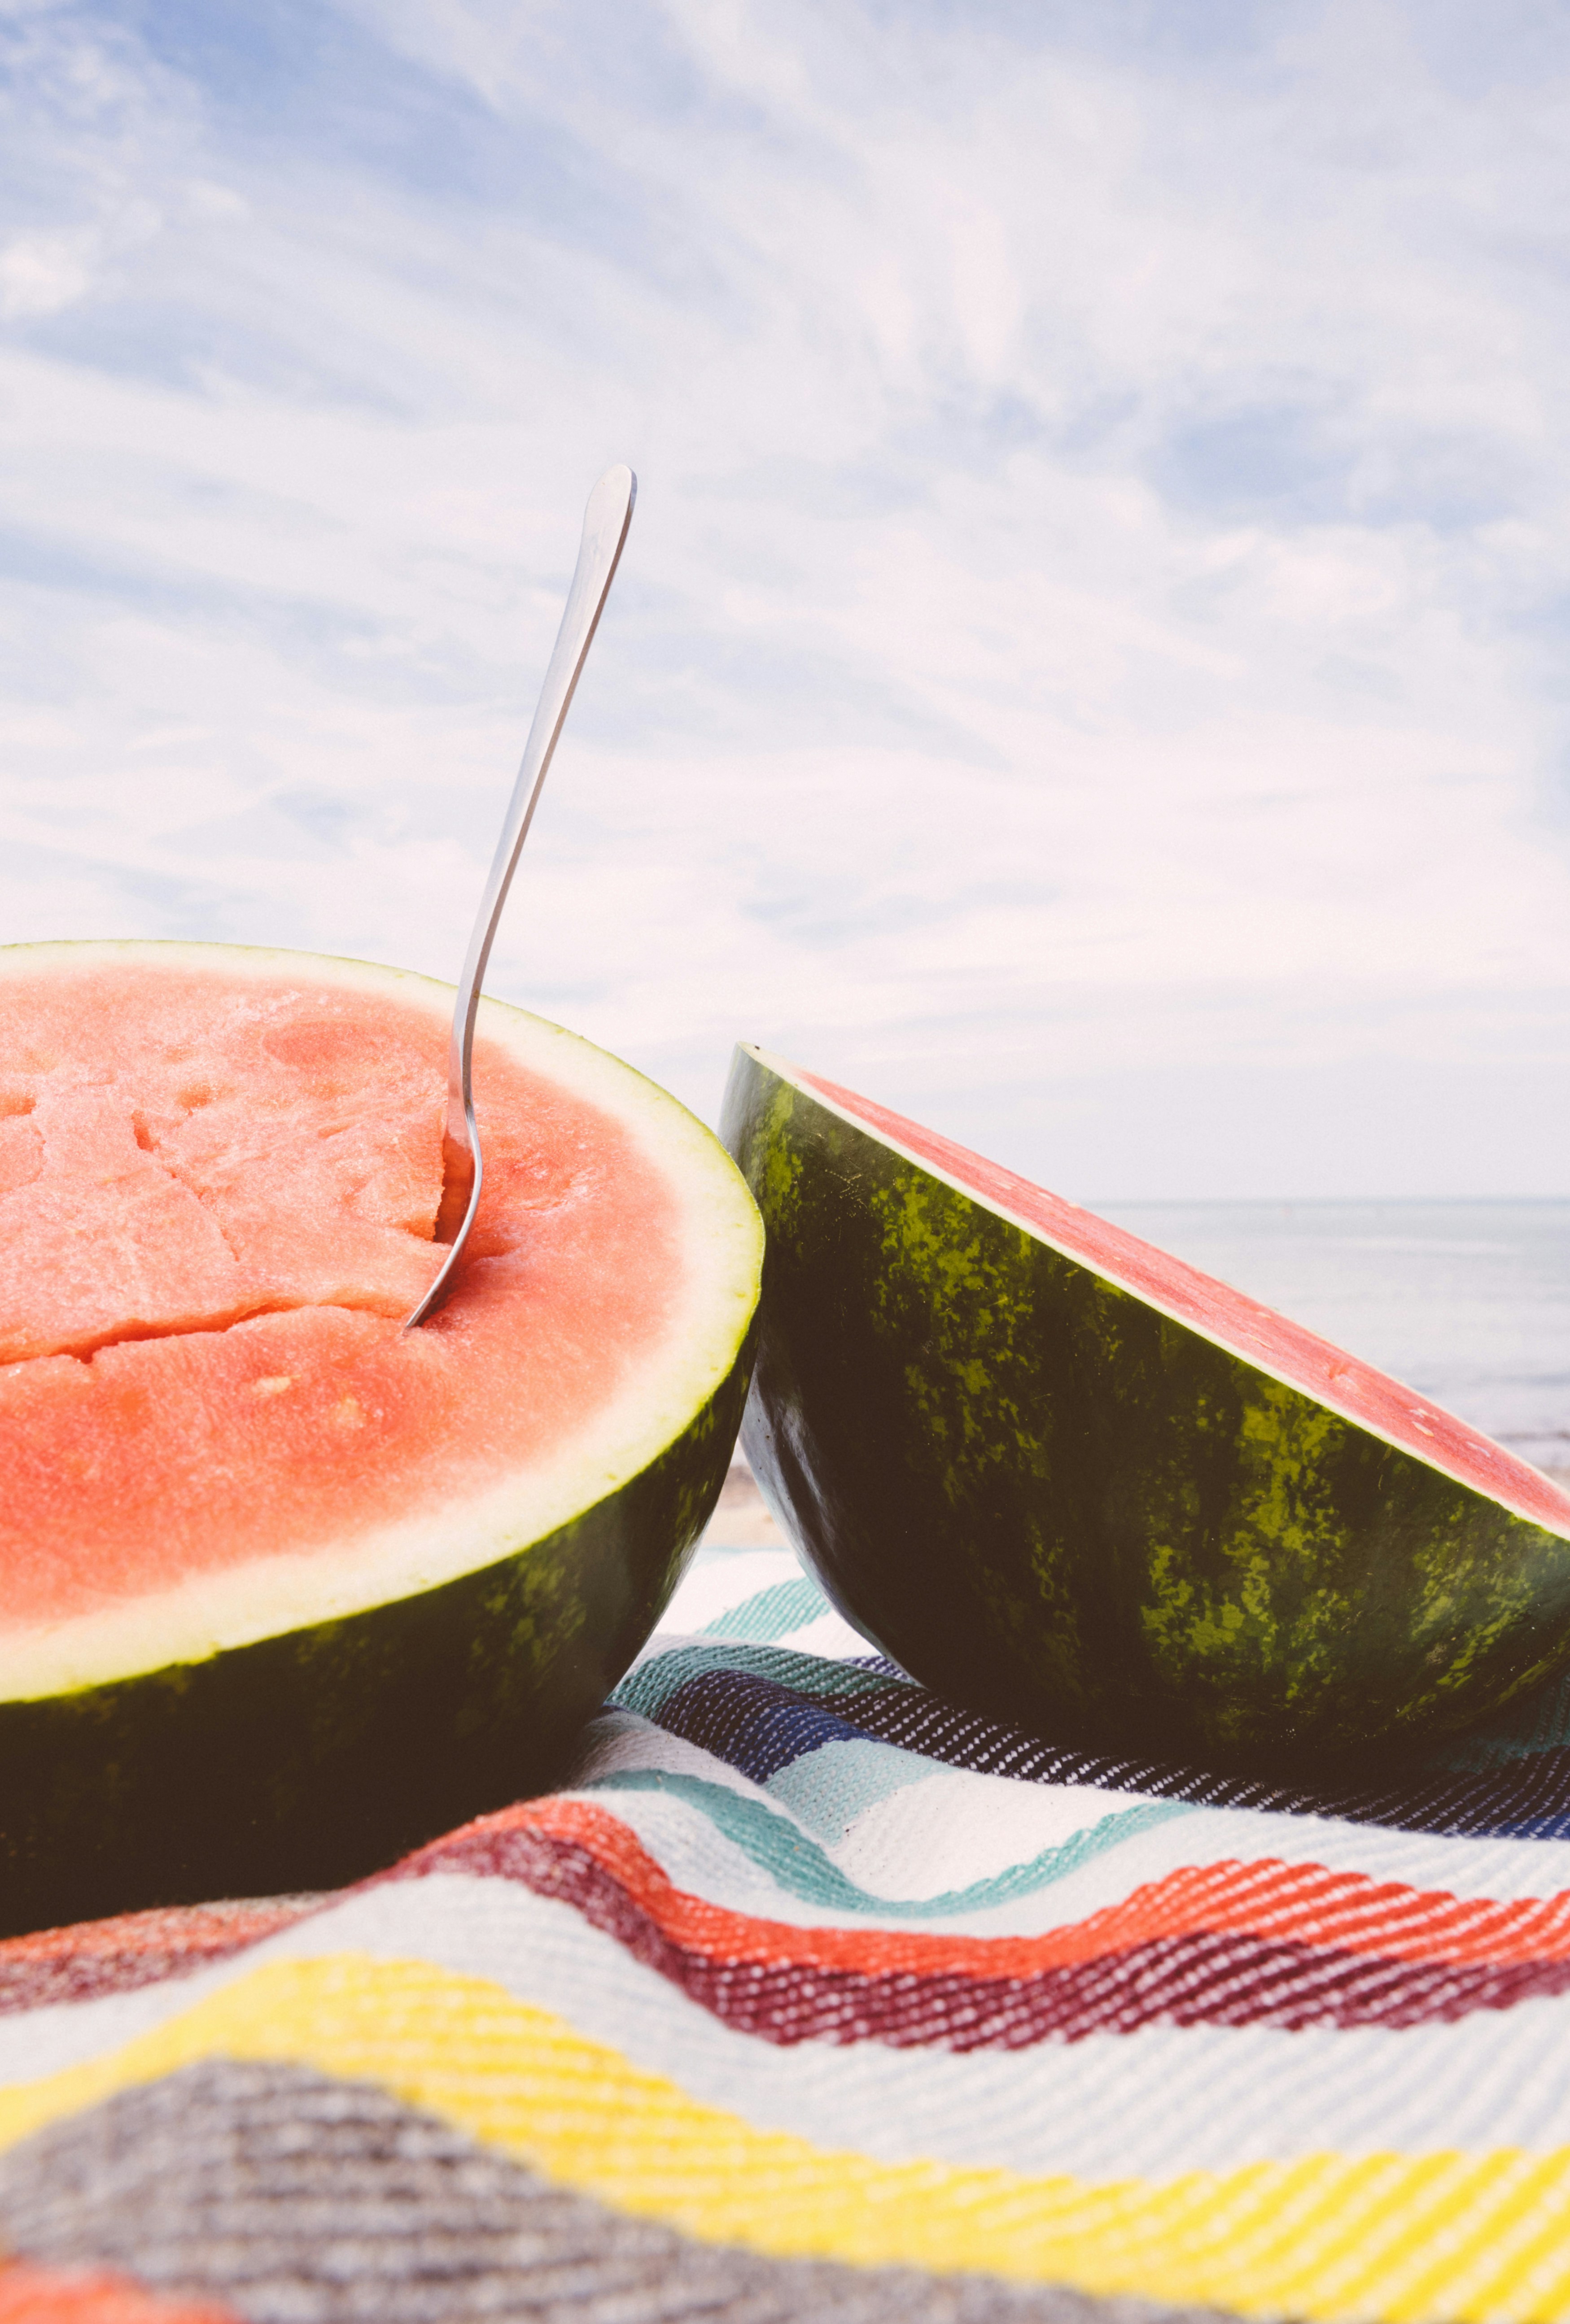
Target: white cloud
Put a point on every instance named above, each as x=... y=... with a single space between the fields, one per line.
x=1088 y=652
x=41 y=272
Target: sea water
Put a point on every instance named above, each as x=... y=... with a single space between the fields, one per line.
x=1467 y=1302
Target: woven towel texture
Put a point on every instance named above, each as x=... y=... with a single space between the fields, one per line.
x=811 y=1996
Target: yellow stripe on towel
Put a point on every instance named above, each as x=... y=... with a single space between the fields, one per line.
x=1410 y=2238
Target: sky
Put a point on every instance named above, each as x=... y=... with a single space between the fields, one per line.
x=1089 y=665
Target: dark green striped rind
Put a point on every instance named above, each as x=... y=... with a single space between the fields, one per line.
x=1052 y=1503
x=310 y=1759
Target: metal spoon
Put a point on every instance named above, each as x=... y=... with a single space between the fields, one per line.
x=605 y=528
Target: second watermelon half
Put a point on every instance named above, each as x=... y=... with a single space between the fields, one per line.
x=1069 y=1482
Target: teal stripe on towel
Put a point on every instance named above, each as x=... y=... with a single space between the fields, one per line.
x=772 y=1613
x=797 y=1865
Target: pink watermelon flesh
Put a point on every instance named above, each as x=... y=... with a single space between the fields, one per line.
x=1284 y=1348
x=216 y=1201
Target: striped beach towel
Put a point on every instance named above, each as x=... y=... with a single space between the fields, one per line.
x=809 y=1995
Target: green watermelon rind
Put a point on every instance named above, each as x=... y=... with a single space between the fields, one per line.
x=1052 y=1502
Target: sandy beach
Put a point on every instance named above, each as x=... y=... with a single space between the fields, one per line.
x=740 y=1521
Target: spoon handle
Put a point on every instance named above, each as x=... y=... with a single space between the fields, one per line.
x=605 y=530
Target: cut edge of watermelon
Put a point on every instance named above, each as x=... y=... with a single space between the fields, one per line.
x=270 y=1595
x=1272 y=1343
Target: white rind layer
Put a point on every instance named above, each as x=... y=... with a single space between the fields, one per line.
x=722 y=1240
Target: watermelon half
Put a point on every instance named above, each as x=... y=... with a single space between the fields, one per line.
x=1068 y=1480
x=285 y=1589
